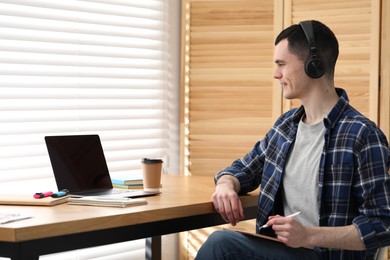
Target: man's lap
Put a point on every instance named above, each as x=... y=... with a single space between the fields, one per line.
x=226 y=244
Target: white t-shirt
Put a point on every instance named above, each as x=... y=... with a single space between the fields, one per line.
x=300 y=179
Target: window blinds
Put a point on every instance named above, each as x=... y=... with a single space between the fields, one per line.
x=81 y=67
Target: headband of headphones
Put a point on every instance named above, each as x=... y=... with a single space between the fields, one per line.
x=314 y=64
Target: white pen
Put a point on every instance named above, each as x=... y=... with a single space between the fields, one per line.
x=289 y=216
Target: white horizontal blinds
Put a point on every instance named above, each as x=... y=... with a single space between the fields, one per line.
x=81 y=67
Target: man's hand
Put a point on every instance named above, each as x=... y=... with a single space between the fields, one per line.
x=289 y=231
x=226 y=201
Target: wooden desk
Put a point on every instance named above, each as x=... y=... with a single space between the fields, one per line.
x=184 y=204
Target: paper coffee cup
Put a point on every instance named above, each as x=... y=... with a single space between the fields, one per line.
x=151 y=171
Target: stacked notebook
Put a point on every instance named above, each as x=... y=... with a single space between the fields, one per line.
x=126 y=178
x=127 y=181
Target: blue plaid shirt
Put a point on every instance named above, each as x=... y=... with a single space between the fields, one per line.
x=354 y=183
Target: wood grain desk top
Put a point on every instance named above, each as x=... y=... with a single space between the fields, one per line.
x=181 y=196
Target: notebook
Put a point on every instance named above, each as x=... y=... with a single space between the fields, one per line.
x=102 y=201
x=79 y=165
x=28 y=199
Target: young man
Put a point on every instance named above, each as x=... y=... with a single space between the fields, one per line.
x=324 y=159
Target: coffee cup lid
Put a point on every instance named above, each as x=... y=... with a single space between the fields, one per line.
x=148 y=160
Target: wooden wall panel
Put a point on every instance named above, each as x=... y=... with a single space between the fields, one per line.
x=356 y=25
x=230 y=80
x=227 y=87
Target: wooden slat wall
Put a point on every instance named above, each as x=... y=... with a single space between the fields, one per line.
x=356 y=25
x=228 y=87
x=230 y=80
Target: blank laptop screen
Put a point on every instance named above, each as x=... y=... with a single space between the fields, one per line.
x=78 y=162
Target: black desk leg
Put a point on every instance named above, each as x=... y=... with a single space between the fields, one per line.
x=153 y=248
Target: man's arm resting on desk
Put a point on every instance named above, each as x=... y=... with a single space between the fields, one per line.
x=231 y=181
x=226 y=201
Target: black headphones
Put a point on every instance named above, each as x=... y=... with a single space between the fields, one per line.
x=314 y=64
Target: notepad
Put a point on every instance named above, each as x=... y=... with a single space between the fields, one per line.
x=29 y=200
x=6 y=217
x=106 y=202
x=245 y=232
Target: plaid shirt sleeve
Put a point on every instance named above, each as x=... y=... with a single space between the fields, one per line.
x=373 y=187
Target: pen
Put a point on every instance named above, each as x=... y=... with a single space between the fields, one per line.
x=289 y=216
x=40 y=195
x=60 y=193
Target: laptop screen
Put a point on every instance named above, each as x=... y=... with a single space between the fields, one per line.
x=78 y=162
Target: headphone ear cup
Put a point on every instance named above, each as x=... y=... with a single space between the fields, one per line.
x=315 y=67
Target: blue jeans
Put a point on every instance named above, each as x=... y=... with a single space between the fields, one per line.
x=226 y=244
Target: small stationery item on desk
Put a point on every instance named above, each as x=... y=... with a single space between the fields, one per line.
x=128 y=187
x=126 y=179
x=11 y=217
x=60 y=193
x=27 y=199
x=106 y=201
x=40 y=195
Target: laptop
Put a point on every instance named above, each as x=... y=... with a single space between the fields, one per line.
x=79 y=165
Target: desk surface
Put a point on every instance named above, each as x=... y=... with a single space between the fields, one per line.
x=182 y=196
